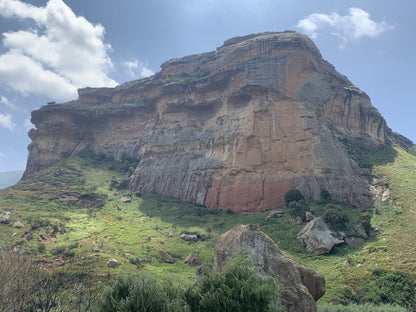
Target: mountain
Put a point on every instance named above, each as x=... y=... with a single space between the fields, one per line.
x=9 y=178
x=231 y=129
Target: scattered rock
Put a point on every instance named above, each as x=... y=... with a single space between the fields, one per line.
x=18 y=224
x=202 y=237
x=278 y=213
x=118 y=207
x=189 y=237
x=95 y=249
x=200 y=271
x=192 y=260
x=127 y=254
x=361 y=231
x=113 y=263
x=309 y=216
x=317 y=238
x=374 y=232
x=347 y=262
x=5 y=217
x=268 y=259
x=14 y=234
x=353 y=241
x=171 y=234
x=166 y=256
x=126 y=200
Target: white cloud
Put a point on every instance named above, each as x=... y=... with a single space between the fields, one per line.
x=136 y=69
x=6 y=102
x=2 y=154
x=6 y=121
x=354 y=26
x=62 y=53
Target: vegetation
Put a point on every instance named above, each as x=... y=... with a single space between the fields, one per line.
x=335 y=217
x=298 y=209
x=238 y=288
x=72 y=213
x=293 y=195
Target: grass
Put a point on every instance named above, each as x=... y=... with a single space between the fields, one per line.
x=133 y=233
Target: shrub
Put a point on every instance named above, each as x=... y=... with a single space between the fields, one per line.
x=298 y=209
x=238 y=288
x=293 y=195
x=138 y=293
x=393 y=287
x=325 y=195
x=335 y=217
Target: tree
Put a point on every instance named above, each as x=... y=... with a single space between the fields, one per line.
x=335 y=217
x=298 y=209
x=293 y=195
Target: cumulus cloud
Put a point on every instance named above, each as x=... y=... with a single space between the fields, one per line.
x=61 y=53
x=6 y=102
x=356 y=25
x=136 y=69
x=6 y=121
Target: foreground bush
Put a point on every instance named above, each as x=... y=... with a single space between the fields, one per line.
x=238 y=288
x=361 y=308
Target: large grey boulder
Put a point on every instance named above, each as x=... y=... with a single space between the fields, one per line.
x=317 y=237
x=268 y=259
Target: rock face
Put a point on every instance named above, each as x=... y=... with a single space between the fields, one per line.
x=231 y=129
x=317 y=238
x=300 y=286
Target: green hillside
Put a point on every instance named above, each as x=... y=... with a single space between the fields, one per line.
x=73 y=215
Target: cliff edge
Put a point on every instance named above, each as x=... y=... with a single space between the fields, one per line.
x=231 y=129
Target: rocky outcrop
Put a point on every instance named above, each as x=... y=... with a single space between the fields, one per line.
x=300 y=286
x=231 y=129
x=317 y=238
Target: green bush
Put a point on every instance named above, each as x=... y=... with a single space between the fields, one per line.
x=138 y=293
x=298 y=209
x=393 y=287
x=335 y=217
x=237 y=288
x=361 y=308
x=293 y=195
x=325 y=195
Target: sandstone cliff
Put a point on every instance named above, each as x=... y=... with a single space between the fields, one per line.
x=231 y=129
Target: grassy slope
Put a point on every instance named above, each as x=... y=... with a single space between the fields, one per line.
x=63 y=229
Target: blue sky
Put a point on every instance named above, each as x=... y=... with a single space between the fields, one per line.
x=48 y=49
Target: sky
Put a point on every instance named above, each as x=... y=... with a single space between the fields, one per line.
x=49 y=49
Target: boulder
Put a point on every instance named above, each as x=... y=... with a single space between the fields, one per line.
x=166 y=256
x=95 y=248
x=361 y=231
x=189 y=237
x=5 y=217
x=193 y=260
x=353 y=241
x=171 y=234
x=18 y=224
x=278 y=213
x=317 y=238
x=126 y=200
x=300 y=286
x=113 y=263
x=309 y=216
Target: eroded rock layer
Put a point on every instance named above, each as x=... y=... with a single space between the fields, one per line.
x=231 y=129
